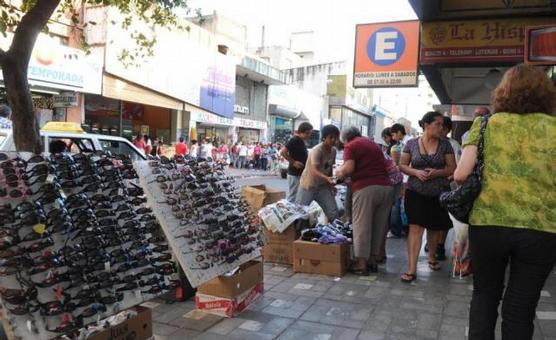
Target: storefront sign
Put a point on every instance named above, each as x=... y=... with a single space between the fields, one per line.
x=489 y=40
x=241 y=109
x=475 y=5
x=65 y=99
x=540 y=46
x=61 y=67
x=204 y=117
x=250 y=124
x=209 y=118
x=386 y=54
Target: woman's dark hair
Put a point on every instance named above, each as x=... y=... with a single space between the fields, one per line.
x=398 y=128
x=193 y=142
x=447 y=123
x=525 y=89
x=328 y=130
x=304 y=127
x=387 y=132
x=428 y=118
x=350 y=133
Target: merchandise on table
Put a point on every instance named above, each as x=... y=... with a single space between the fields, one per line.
x=333 y=233
x=77 y=242
x=208 y=226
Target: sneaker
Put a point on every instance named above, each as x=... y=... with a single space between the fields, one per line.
x=440 y=253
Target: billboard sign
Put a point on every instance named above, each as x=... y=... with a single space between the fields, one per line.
x=386 y=54
x=60 y=67
x=540 y=45
x=481 y=41
x=218 y=87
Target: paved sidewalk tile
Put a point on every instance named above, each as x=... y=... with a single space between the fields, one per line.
x=376 y=307
x=315 y=331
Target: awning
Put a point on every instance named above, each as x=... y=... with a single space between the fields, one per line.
x=116 y=88
x=282 y=111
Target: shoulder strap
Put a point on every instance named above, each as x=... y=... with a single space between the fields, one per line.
x=480 y=146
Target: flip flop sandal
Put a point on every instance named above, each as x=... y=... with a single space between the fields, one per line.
x=434 y=265
x=408 y=277
x=359 y=272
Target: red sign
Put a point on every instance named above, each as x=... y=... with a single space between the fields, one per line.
x=476 y=41
x=540 y=45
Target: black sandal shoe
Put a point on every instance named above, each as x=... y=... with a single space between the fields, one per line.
x=359 y=272
x=434 y=266
x=408 y=277
x=373 y=268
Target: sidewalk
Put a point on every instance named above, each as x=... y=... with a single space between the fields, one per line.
x=246 y=173
x=302 y=306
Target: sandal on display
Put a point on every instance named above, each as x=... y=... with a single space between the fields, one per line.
x=434 y=265
x=408 y=277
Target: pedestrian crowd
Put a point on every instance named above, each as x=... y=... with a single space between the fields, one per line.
x=256 y=156
x=512 y=222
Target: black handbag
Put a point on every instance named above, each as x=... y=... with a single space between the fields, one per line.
x=459 y=202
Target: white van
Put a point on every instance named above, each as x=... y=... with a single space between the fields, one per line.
x=80 y=140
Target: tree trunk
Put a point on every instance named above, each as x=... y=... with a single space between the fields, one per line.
x=14 y=63
x=26 y=132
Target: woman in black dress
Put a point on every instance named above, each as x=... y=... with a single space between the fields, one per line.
x=428 y=161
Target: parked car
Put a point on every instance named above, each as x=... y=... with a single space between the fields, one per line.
x=79 y=140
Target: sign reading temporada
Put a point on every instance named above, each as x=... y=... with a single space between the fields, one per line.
x=386 y=54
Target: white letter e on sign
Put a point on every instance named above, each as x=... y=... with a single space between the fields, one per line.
x=382 y=45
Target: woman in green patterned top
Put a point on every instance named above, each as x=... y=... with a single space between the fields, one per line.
x=514 y=218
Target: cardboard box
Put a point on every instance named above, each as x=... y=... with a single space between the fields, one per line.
x=278 y=253
x=140 y=327
x=259 y=196
x=288 y=236
x=316 y=258
x=228 y=307
x=248 y=276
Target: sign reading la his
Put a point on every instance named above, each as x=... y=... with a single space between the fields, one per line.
x=386 y=54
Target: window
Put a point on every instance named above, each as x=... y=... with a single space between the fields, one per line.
x=75 y=145
x=119 y=147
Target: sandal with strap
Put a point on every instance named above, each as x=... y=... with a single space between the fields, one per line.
x=359 y=271
x=434 y=265
x=408 y=277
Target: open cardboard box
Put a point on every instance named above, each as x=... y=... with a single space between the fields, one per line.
x=259 y=196
x=249 y=275
x=316 y=258
x=139 y=327
x=228 y=296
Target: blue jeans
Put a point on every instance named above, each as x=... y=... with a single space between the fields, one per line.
x=323 y=196
x=396 y=225
x=293 y=187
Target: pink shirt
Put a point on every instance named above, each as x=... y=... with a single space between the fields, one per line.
x=258 y=150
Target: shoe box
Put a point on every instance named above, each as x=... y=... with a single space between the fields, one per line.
x=138 y=327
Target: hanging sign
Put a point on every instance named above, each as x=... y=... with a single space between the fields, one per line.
x=386 y=54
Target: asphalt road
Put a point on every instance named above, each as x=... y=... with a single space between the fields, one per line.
x=274 y=182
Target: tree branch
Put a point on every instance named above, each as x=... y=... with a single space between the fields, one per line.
x=29 y=28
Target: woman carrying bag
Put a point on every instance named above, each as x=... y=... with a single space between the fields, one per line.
x=513 y=220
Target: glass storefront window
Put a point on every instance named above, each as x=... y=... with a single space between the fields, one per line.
x=281 y=129
x=352 y=118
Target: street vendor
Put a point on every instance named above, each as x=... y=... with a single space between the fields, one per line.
x=317 y=183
